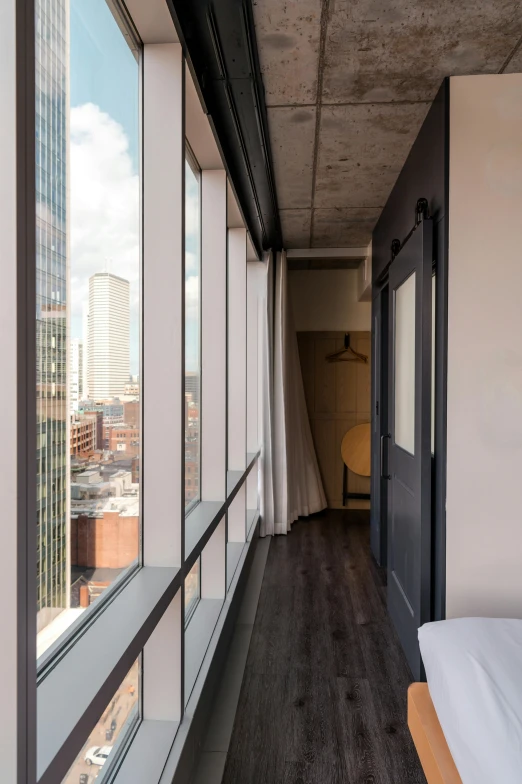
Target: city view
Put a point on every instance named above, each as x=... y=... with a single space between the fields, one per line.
x=88 y=328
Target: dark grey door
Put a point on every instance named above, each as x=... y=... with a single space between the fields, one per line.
x=409 y=416
x=379 y=485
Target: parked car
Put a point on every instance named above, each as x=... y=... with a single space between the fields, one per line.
x=97 y=755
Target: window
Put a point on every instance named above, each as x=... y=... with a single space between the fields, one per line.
x=88 y=299
x=103 y=601
x=192 y=590
x=120 y=715
x=192 y=328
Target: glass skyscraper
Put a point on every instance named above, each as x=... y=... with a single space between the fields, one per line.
x=51 y=315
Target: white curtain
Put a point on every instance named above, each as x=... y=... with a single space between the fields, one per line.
x=298 y=488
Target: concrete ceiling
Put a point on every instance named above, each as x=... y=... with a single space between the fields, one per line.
x=348 y=84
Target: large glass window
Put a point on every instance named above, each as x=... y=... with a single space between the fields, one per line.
x=192 y=331
x=192 y=590
x=96 y=607
x=88 y=307
x=120 y=714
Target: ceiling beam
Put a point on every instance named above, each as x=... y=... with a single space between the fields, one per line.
x=328 y=253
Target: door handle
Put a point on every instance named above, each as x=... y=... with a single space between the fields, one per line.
x=383 y=475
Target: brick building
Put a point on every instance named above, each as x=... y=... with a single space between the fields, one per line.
x=97 y=416
x=121 y=438
x=191 y=478
x=109 y=540
x=131 y=413
x=83 y=435
x=135 y=470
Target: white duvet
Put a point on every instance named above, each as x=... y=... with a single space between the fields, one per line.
x=474 y=672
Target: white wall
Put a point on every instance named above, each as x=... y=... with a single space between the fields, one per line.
x=484 y=466
x=327 y=301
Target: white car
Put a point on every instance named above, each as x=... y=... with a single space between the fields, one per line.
x=97 y=755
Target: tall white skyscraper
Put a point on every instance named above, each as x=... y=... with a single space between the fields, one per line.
x=85 y=338
x=108 y=361
x=76 y=392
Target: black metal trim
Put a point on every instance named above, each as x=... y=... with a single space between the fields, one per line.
x=421 y=213
x=219 y=42
x=26 y=390
x=441 y=387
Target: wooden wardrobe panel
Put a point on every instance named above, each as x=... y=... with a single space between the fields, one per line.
x=337 y=397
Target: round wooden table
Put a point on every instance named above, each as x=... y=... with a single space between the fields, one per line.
x=355 y=449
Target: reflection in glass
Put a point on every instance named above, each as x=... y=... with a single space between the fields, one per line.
x=120 y=715
x=192 y=332
x=405 y=365
x=192 y=590
x=87 y=317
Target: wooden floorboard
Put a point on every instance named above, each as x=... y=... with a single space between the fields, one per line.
x=323 y=699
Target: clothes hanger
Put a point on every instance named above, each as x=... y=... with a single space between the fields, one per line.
x=353 y=356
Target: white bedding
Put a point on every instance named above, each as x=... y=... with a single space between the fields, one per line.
x=474 y=672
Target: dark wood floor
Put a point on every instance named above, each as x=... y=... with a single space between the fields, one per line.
x=323 y=699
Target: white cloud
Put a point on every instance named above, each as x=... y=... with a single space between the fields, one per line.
x=191 y=264
x=192 y=322
x=192 y=297
x=105 y=221
x=104 y=206
x=192 y=203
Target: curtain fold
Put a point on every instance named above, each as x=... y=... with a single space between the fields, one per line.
x=297 y=485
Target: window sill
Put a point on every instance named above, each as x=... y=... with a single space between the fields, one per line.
x=54 y=652
x=70 y=697
x=197 y=639
x=201 y=521
x=145 y=759
x=161 y=750
x=252 y=517
x=234 y=550
x=235 y=478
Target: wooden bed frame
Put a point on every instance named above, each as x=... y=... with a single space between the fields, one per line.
x=433 y=751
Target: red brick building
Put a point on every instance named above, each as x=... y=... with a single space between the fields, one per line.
x=191 y=479
x=97 y=416
x=135 y=470
x=83 y=435
x=131 y=413
x=110 y=541
x=121 y=438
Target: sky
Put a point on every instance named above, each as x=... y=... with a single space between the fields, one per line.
x=104 y=172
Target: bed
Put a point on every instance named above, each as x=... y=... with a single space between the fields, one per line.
x=429 y=740
x=466 y=722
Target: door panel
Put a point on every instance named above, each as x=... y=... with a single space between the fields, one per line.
x=409 y=492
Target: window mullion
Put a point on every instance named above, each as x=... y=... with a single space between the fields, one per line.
x=163 y=336
x=214 y=335
x=237 y=349
x=17 y=348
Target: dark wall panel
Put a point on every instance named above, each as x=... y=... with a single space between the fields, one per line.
x=423 y=175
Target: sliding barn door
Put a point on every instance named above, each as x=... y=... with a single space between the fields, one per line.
x=409 y=466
